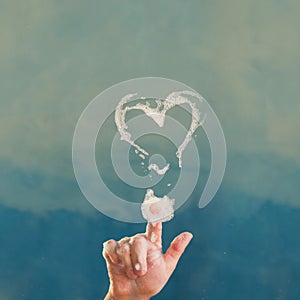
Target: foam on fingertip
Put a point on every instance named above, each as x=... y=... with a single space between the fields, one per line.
x=137 y=266
x=156 y=209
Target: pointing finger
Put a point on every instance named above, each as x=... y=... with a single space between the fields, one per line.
x=154 y=232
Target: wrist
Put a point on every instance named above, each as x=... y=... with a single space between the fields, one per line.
x=111 y=296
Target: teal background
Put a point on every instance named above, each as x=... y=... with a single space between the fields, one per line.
x=242 y=56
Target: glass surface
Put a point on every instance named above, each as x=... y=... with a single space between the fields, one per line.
x=242 y=56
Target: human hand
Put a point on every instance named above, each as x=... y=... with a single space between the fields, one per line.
x=136 y=266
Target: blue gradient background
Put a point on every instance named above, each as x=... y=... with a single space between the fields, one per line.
x=242 y=56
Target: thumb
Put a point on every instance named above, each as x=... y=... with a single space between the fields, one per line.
x=176 y=249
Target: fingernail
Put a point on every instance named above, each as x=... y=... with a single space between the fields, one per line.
x=137 y=266
x=188 y=236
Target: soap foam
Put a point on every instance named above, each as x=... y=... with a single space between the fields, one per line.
x=156 y=209
x=159 y=171
x=158 y=115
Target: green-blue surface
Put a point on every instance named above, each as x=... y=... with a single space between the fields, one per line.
x=242 y=56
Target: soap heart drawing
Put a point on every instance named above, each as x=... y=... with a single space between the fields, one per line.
x=158 y=114
x=154 y=97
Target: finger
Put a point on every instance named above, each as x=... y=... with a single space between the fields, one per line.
x=176 y=249
x=154 y=232
x=109 y=252
x=139 y=249
x=123 y=252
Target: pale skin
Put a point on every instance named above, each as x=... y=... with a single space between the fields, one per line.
x=137 y=268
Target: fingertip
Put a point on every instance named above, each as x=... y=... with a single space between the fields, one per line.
x=109 y=242
x=188 y=236
x=137 y=266
x=109 y=252
x=184 y=238
x=140 y=268
x=108 y=246
x=181 y=242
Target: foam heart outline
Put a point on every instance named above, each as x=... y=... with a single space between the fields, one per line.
x=158 y=114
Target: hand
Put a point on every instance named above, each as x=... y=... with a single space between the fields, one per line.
x=136 y=266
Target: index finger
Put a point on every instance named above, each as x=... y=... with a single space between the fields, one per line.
x=154 y=232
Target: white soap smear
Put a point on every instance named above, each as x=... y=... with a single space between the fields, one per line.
x=155 y=209
x=158 y=115
x=142 y=156
x=156 y=168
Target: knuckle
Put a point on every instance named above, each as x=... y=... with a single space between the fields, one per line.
x=111 y=242
x=123 y=249
x=124 y=240
x=137 y=240
x=126 y=248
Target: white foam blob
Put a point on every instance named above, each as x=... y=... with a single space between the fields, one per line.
x=142 y=156
x=159 y=171
x=156 y=209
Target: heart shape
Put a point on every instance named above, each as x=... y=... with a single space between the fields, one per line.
x=158 y=115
